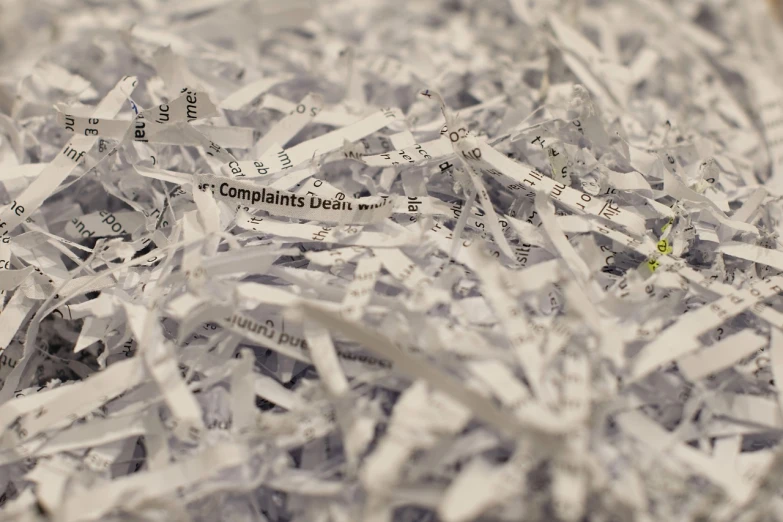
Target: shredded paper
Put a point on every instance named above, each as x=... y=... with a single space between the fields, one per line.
x=378 y=261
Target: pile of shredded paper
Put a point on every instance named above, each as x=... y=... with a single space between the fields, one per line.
x=375 y=261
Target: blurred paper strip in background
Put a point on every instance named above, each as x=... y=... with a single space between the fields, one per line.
x=776 y=6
